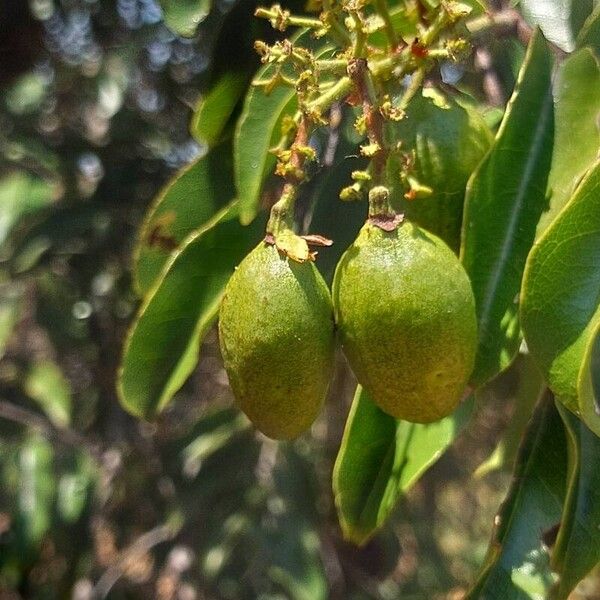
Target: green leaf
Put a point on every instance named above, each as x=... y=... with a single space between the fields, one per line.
x=560 y=20
x=26 y=94
x=11 y=302
x=560 y=308
x=46 y=384
x=74 y=488
x=184 y=16
x=22 y=194
x=36 y=492
x=259 y=129
x=331 y=217
x=449 y=139
x=588 y=384
x=530 y=386
x=56 y=229
x=517 y=564
x=577 y=133
x=228 y=426
x=404 y=20
x=577 y=549
x=296 y=565
x=504 y=201
x=590 y=32
x=380 y=458
x=186 y=203
x=214 y=110
x=163 y=344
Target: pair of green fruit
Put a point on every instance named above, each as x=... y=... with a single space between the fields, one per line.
x=404 y=310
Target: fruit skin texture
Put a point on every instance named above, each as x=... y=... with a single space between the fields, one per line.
x=450 y=139
x=406 y=315
x=277 y=340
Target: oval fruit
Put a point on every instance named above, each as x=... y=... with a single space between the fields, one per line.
x=277 y=340
x=449 y=140
x=406 y=314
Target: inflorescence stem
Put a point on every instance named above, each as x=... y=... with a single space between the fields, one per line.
x=358 y=71
x=283 y=210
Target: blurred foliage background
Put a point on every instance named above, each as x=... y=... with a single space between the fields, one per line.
x=94 y=118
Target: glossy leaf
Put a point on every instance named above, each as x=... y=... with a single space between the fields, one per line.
x=186 y=203
x=560 y=308
x=505 y=198
x=517 y=566
x=184 y=16
x=577 y=131
x=590 y=32
x=46 y=384
x=577 y=548
x=380 y=458
x=588 y=384
x=560 y=20
x=214 y=110
x=164 y=342
x=259 y=129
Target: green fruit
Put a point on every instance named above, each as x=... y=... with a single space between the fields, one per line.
x=406 y=314
x=449 y=141
x=277 y=341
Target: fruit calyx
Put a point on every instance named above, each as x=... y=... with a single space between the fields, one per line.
x=280 y=232
x=381 y=213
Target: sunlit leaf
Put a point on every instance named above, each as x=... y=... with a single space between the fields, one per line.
x=577 y=129
x=186 y=203
x=505 y=198
x=214 y=110
x=46 y=384
x=184 y=16
x=164 y=342
x=560 y=308
x=517 y=566
x=259 y=129
x=380 y=458
x=577 y=548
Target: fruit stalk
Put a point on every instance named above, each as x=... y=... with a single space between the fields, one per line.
x=292 y=170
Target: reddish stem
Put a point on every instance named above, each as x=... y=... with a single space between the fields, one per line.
x=358 y=71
